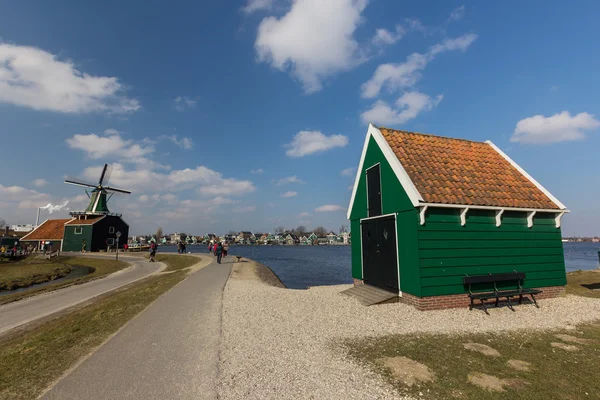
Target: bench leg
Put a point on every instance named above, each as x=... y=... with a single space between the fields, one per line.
x=484 y=307
x=520 y=299
x=534 y=302
x=509 y=304
x=497 y=300
x=471 y=305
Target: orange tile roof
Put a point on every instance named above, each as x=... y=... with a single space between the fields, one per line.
x=52 y=229
x=89 y=221
x=456 y=171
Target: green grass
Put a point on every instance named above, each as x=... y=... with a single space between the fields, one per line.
x=176 y=262
x=20 y=275
x=32 y=361
x=555 y=373
x=101 y=268
x=584 y=283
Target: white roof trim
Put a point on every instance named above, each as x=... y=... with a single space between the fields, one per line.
x=522 y=171
x=399 y=171
x=443 y=205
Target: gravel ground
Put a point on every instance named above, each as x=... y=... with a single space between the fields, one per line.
x=280 y=343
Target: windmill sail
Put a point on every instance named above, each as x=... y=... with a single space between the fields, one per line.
x=98 y=196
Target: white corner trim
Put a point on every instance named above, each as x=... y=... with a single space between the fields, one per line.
x=530 y=216
x=463 y=216
x=557 y=219
x=522 y=171
x=499 y=216
x=422 y=215
x=359 y=171
x=407 y=184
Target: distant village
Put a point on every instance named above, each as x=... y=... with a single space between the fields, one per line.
x=281 y=237
x=594 y=239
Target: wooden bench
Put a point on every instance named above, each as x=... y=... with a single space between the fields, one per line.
x=516 y=277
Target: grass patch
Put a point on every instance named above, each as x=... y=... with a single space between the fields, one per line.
x=32 y=361
x=554 y=373
x=101 y=268
x=14 y=276
x=176 y=262
x=584 y=283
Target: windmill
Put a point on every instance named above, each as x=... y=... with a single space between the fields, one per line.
x=100 y=194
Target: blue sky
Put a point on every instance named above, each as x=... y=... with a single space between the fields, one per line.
x=251 y=114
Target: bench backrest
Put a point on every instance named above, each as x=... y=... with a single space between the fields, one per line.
x=492 y=278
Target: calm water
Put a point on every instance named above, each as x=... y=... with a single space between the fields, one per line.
x=301 y=266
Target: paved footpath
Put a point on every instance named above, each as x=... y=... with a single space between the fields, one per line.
x=27 y=310
x=169 y=351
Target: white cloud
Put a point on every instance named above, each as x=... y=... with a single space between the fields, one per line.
x=113 y=145
x=313 y=40
x=348 y=171
x=407 y=107
x=406 y=74
x=457 y=14
x=304 y=215
x=243 y=209
x=560 y=127
x=385 y=37
x=257 y=171
x=289 y=194
x=207 y=181
x=309 y=142
x=185 y=142
x=183 y=103
x=257 y=5
x=329 y=208
x=40 y=182
x=288 y=180
x=10 y=194
x=33 y=78
x=111 y=131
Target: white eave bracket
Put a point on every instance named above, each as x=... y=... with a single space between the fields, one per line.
x=530 y=216
x=422 y=215
x=463 y=216
x=557 y=218
x=499 y=216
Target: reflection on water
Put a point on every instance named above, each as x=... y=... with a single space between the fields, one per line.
x=76 y=272
x=299 y=267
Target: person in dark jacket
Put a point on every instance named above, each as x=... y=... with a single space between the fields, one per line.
x=219 y=252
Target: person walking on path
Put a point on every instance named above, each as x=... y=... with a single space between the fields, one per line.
x=153 y=247
x=210 y=247
x=225 y=248
x=219 y=252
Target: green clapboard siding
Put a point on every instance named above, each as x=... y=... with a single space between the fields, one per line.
x=394 y=201
x=448 y=251
x=72 y=241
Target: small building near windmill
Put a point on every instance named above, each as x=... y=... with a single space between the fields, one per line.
x=429 y=210
x=96 y=231
x=51 y=230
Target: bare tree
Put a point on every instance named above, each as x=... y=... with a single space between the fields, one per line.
x=320 y=231
x=159 y=233
x=343 y=229
x=2 y=223
x=279 y=230
x=233 y=233
x=301 y=230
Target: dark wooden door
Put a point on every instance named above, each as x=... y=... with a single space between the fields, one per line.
x=374 y=191
x=380 y=266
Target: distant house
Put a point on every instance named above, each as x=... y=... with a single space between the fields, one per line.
x=245 y=236
x=331 y=237
x=210 y=237
x=22 y=228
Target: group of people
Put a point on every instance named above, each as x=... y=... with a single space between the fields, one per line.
x=219 y=250
x=181 y=248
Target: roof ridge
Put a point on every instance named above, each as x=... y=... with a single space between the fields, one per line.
x=432 y=135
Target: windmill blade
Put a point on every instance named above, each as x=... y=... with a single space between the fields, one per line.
x=78 y=183
x=111 y=189
x=108 y=174
x=103 y=174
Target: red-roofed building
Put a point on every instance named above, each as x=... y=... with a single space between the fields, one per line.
x=51 y=230
x=429 y=210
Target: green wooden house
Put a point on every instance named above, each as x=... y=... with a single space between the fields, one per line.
x=428 y=210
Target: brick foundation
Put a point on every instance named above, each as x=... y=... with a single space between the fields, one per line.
x=459 y=300
x=462 y=300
